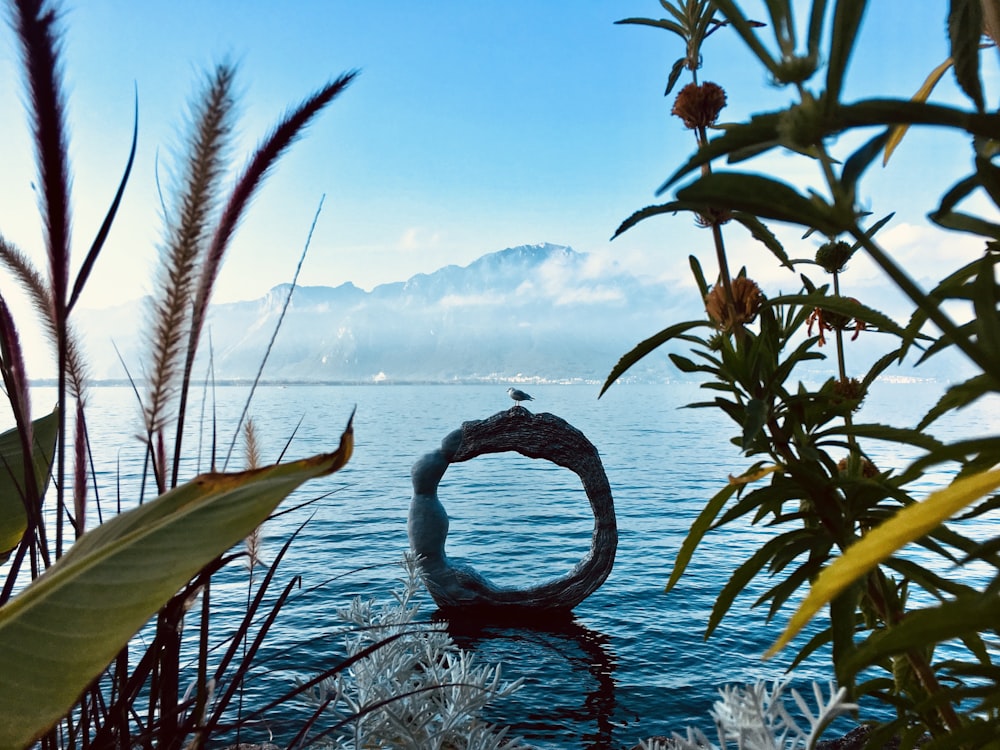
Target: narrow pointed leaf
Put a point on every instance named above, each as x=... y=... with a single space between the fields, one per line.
x=13 y=519
x=102 y=234
x=698 y=530
x=951 y=619
x=861 y=159
x=647 y=346
x=763 y=235
x=847 y=17
x=923 y=93
x=644 y=213
x=59 y=633
x=761 y=196
x=907 y=525
x=745 y=29
x=965 y=28
x=658 y=23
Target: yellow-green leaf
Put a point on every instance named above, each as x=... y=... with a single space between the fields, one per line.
x=923 y=93
x=59 y=633
x=13 y=519
x=909 y=524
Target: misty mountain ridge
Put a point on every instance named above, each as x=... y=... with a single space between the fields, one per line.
x=532 y=313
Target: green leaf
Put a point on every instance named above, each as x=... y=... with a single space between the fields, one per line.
x=952 y=619
x=846 y=22
x=675 y=73
x=761 y=131
x=699 y=276
x=699 y=528
x=738 y=582
x=660 y=23
x=644 y=213
x=756 y=417
x=962 y=222
x=13 y=519
x=815 y=28
x=60 y=632
x=763 y=235
x=743 y=27
x=861 y=159
x=843 y=306
x=965 y=29
x=910 y=523
x=761 y=196
x=647 y=346
x=959 y=396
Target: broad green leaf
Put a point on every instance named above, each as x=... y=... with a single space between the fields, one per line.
x=60 y=632
x=908 y=524
x=761 y=196
x=13 y=520
x=647 y=346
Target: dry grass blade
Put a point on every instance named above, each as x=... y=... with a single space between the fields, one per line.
x=187 y=235
x=34 y=286
x=36 y=23
x=270 y=150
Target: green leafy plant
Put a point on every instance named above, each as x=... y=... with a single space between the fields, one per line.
x=839 y=520
x=75 y=592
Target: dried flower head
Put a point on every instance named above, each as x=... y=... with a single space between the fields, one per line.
x=868 y=469
x=850 y=391
x=699 y=106
x=833 y=256
x=747 y=299
x=711 y=217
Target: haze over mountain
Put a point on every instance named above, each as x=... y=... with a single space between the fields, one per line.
x=534 y=312
x=541 y=312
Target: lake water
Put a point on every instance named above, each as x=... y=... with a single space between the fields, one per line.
x=633 y=662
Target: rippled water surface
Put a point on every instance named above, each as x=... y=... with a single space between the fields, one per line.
x=633 y=661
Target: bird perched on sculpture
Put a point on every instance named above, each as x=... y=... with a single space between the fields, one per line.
x=518 y=396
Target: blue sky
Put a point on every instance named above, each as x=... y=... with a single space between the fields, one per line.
x=472 y=127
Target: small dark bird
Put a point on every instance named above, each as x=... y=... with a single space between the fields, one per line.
x=518 y=396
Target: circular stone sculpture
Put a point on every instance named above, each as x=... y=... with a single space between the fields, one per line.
x=459 y=588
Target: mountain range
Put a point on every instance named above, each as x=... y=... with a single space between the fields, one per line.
x=533 y=313
x=536 y=312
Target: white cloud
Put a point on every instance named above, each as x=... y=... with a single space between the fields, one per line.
x=418 y=238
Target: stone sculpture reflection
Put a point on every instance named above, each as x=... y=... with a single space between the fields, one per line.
x=459 y=588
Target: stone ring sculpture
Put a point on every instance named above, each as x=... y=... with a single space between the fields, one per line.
x=459 y=589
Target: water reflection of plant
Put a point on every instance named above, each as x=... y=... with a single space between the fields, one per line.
x=839 y=519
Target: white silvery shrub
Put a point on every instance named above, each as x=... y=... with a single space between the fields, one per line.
x=418 y=691
x=755 y=718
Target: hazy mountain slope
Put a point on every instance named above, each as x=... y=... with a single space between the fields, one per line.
x=539 y=311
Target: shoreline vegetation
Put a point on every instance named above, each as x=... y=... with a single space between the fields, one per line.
x=837 y=523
